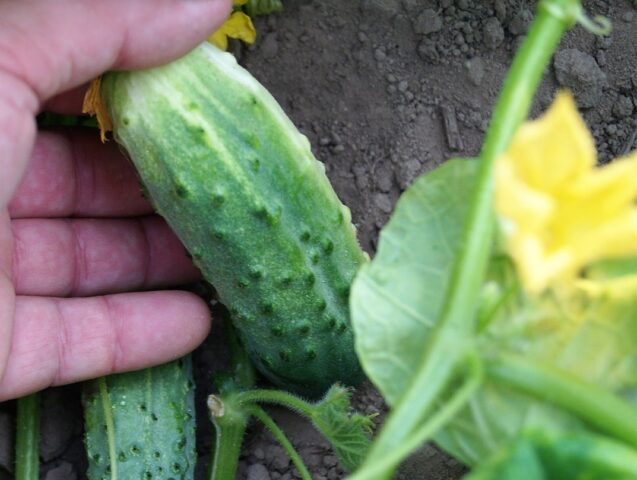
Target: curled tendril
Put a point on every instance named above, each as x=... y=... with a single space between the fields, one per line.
x=571 y=12
x=568 y=11
x=598 y=25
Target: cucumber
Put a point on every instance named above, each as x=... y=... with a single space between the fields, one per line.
x=141 y=425
x=239 y=185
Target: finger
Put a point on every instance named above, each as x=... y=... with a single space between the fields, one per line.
x=50 y=47
x=83 y=257
x=72 y=173
x=55 y=46
x=60 y=341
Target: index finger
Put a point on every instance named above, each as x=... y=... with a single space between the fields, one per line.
x=50 y=47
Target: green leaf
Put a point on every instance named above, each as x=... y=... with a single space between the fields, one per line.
x=612 y=268
x=589 y=334
x=396 y=298
x=551 y=455
x=348 y=432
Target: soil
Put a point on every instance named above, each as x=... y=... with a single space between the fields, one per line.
x=385 y=90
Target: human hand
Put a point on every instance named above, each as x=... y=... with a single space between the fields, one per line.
x=74 y=230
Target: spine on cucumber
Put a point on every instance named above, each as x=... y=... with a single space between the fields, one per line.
x=239 y=185
x=141 y=425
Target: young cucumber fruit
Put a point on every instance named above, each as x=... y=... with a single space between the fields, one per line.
x=239 y=185
x=141 y=424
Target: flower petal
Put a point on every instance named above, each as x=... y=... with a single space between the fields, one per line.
x=219 y=39
x=554 y=149
x=240 y=26
x=561 y=212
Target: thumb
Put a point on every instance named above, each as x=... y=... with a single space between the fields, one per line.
x=49 y=47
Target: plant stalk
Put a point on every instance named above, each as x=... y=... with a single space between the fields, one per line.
x=277 y=397
x=27 y=438
x=596 y=406
x=230 y=423
x=424 y=432
x=456 y=322
x=280 y=437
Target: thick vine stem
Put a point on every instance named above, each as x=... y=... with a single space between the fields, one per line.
x=596 y=406
x=230 y=421
x=455 y=325
x=277 y=397
x=27 y=438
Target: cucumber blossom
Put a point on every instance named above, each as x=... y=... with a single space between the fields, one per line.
x=239 y=185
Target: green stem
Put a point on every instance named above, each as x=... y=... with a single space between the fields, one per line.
x=230 y=421
x=277 y=397
x=596 y=406
x=280 y=437
x=456 y=321
x=27 y=438
x=384 y=467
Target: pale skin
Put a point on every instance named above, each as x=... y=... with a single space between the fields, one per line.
x=80 y=249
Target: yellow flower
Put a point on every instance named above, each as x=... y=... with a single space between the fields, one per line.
x=559 y=212
x=238 y=26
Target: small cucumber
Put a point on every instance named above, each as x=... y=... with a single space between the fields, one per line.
x=140 y=425
x=239 y=185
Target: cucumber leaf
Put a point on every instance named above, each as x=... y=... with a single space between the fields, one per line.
x=551 y=455
x=396 y=298
x=589 y=334
x=348 y=432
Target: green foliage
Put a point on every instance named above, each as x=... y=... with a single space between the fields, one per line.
x=396 y=299
x=333 y=416
x=348 y=432
x=550 y=455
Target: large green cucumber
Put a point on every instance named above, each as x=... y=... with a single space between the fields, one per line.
x=239 y=185
x=140 y=425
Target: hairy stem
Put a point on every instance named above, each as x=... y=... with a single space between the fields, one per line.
x=27 y=438
x=277 y=397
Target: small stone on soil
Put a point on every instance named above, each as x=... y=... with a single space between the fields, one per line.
x=493 y=33
x=580 y=72
x=475 y=70
x=623 y=107
x=428 y=21
x=258 y=471
x=277 y=457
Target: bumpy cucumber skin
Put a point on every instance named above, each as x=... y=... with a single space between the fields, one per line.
x=239 y=185
x=153 y=424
